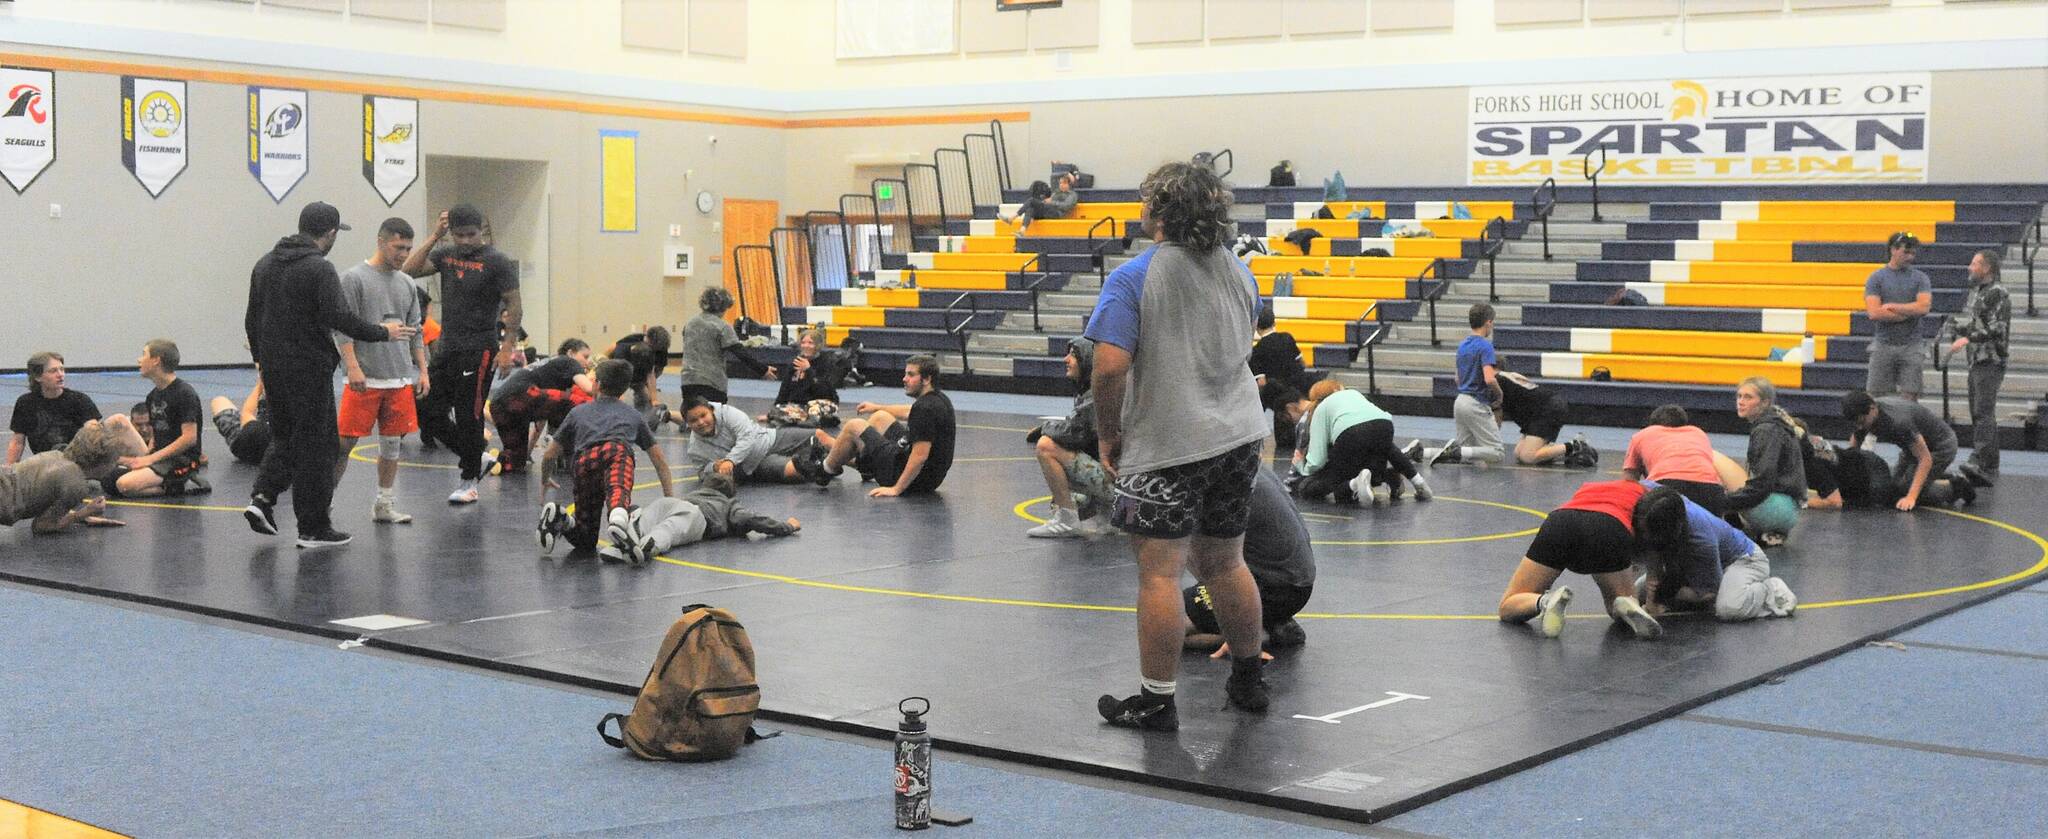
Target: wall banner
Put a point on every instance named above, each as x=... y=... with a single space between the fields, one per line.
x=28 y=124
x=153 y=131
x=277 y=139
x=1812 y=129
x=391 y=145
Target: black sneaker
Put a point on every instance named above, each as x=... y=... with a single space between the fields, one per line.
x=1247 y=686
x=1286 y=635
x=1145 y=712
x=810 y=466
x=1966 y=492
x=261 y=515
x=1975 y=475
x=550 y=526
x=325 y=539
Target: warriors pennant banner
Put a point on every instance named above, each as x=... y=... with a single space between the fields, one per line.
x=28 y=124
x=153 y=131
x=391 y=145
x=277 y=139
x=1812 y=129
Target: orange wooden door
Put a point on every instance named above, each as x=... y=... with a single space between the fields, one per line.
x=747 y=222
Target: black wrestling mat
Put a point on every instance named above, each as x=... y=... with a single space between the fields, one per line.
x=1407 y=690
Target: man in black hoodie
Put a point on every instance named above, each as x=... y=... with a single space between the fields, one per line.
x=295 y=306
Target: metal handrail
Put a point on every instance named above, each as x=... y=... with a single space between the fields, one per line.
x=1097 y=252
x=739 y=275
x=847 y=229
x=1225 y=171
x=1379 y=335
x=1942 y=337
x=960 y=330
x=1043 y=275
x=810 y=259
x=995 y=127
x=1490 y=246
x=909 y=220
x=1433 y=273
x=1592 y=174
x=938 y=189
x=2028 y=250
x=966 y=169
x=1544 y=203
x=836 y=219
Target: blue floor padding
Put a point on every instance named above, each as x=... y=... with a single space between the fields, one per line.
x=2017 y=622
x=207 y=731
x=1701 y=780
x=1938 y=697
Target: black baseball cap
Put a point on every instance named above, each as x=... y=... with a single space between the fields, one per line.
x=1902 y=239
x=320 y=217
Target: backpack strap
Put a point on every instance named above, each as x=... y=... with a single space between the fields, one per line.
x=618 y=742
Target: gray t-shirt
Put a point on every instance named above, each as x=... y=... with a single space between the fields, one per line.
x=1186 y=318
x=1898 y=420
x=604 y=420
x=1277 y=548
x=377 y=296
x=705 y=338
x=1892 y=286
x=40 y=482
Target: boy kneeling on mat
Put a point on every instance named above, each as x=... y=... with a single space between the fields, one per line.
x=601 y=434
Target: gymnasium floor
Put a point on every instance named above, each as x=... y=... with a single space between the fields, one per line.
x=1013 y=638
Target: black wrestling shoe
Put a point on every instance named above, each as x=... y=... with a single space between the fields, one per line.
x=261 y=515
x=1975 y=475
x=1145 y=712
x=325 y=539
x=1966 y=492
x=1246 y=688
x=1286 y=634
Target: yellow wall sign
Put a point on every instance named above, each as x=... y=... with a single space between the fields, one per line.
x=619 y=162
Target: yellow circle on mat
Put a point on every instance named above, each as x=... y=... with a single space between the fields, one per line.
x=1022 y=511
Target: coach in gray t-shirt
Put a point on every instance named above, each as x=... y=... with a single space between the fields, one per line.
x=1896 y=297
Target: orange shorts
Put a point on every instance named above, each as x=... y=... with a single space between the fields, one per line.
x=390 y=410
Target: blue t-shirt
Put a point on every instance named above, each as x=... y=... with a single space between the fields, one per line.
x=1711 y=543
x=1474 y=355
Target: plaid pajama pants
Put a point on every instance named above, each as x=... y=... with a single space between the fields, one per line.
x=604 y=479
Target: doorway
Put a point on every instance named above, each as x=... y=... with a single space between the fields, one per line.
x=513 y=196
x=748 y=222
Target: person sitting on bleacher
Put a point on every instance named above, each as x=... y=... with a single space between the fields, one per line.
x=1066 y=452
x=1046 y=202
x=1927 y=446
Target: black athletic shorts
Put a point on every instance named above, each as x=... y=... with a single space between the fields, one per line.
x=883 y=454
x=246 y=440
x=1278 y=604
x=1583 y=541
x=1548 y=422
x=1210 y=496
x=1712 y=497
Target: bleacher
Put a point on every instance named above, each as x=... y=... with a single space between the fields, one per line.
x=1732 y=286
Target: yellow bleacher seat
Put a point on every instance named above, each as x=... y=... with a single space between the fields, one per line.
x=1447 y=248
x=1342 y=266
x=1687 y=342
x=1350 y=287
x=1889 y=212
x=971 y=261
x=1764 y=273
x=1814 y=231
x=1676 y=369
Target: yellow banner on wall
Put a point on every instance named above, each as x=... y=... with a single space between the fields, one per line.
x=619 y=165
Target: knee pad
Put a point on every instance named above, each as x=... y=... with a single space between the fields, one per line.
x=388 y=447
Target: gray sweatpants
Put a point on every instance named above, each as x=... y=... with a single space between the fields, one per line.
x=1896 y=368
x=1742 y=591
x=1943 y=456
x=1476 y=428
x=1985 y=380
x=672 y=522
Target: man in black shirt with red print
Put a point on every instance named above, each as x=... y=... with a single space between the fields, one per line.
x=478 y=282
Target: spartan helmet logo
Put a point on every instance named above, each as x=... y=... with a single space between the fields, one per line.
x=1689 y=100
x=26 y=100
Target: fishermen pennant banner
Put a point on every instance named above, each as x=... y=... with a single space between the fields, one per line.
x=153 y=131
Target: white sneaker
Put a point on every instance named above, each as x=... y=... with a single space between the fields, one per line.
x=1064 y=524
x=489 y=464
x=1550 y=618
x=618 y=529
x=1631 y=612
x=1422 y=490
x=1779 y=599
x=465 y=493
x=1413 y=450
x=386 y=511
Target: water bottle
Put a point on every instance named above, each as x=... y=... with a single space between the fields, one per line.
x=913 y=766
x=1806 y=349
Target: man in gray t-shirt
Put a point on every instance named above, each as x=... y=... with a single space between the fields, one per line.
x=1896 y=297
x=1180 y=425
x=1927 y=446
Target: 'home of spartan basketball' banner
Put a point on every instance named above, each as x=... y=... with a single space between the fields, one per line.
x=391 y=145
x=28 y=124
x=153 y=131
x=277 y=139
x=1813 y=129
